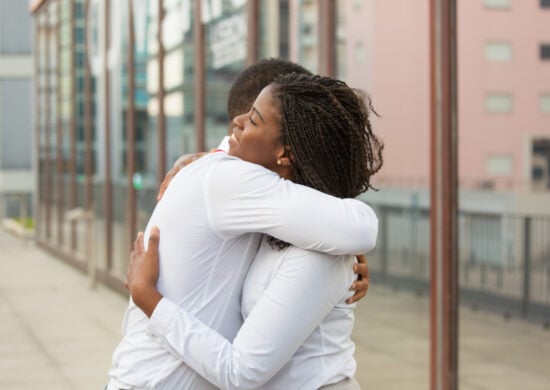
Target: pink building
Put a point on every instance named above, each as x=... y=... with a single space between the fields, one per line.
x=504 y=88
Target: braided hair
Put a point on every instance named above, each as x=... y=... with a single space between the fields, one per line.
x=326 y=131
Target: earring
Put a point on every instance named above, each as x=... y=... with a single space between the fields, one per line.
x=279 y=162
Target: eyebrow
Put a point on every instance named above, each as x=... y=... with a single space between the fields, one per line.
x=258 y=112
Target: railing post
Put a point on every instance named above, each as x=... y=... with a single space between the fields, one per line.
x=383 y=225
x=526 y=266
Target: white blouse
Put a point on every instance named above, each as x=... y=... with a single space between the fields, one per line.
x=297 y=328
x=205 y=219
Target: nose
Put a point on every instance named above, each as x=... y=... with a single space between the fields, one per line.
x=238 y=121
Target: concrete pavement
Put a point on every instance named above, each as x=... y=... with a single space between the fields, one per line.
x=57 y=333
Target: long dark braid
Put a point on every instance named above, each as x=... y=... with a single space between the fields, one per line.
x=325 y=127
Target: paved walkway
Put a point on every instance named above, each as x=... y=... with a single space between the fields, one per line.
x=57 y=333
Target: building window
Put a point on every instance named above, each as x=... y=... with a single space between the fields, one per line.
x=498 y=52
x=15 y=28
x=544 y=3
x=545 y=103
x=357 y=4
x=545 y=51
x=499 y=164
x=497 y=4
x=540 y=164
x=498 y=102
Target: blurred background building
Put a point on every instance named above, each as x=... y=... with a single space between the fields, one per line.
x=16 y=74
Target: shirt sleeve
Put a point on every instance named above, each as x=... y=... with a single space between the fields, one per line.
x=245 y=197
x=285 y=315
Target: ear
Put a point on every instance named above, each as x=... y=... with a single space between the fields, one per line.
x=284 y=157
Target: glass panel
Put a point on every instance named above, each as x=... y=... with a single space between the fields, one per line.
x=504 y=246
x=95 y=46
x=15 y=28
x=308 y=32
x=179 y=81
x=386 y=54
x=65 y=102
x=225 y=35
x=53 y=109
x=79 y=58
x=146 y=106
x=274 y=26
x=118 y=90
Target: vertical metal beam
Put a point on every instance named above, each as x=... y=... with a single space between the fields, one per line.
x=59 y=134
x=161 y=122
x=444 y=256
x=37 y=117
x=108 y=186
x=253 y=14
x=200 y=79
x=74 y=110
x=131 y=129
x=526 y=266
x=47 y=122
x=327 y=38
x=88 y=129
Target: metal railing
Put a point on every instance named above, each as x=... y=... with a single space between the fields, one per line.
x=504 y=259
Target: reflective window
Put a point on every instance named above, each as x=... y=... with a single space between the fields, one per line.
x=498 y=52
x=499 y=165
x=498 y=102
x=545 y=103
x=308 y=49
x=497 y=4
x=15 y=27
x=226 y=45
x=545 y=51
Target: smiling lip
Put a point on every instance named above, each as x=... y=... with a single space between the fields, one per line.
x=233 y=141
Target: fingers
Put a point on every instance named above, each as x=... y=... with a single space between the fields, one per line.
x=138 y=243
x=361 y=287
x=362 y=270
x=154 y=238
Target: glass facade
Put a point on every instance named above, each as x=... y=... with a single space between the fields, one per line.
x=123 y=88
x=119 y=102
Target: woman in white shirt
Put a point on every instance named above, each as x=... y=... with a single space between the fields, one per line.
x=314 y=131
x=212 y=215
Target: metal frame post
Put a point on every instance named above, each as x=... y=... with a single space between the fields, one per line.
x=131 y=129
x=327 y=38
x=253 y=14
x=443 y=190
x=200 y=79
x=161 y=122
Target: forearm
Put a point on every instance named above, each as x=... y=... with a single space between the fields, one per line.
x=249 y=200
x=283 y=318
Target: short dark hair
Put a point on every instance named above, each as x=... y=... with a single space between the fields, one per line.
x=250 y=82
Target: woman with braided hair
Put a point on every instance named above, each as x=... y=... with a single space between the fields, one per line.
x=316 y=132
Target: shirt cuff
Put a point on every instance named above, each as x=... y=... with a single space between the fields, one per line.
x=162 y=317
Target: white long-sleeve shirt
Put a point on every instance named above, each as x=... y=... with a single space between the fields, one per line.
x=205 y=218
x=297 y=329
